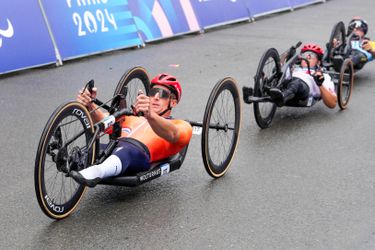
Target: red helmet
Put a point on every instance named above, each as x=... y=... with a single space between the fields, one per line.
x=170 y=82
x=314 y=48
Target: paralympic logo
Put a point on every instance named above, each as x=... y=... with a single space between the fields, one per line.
x=7 y=33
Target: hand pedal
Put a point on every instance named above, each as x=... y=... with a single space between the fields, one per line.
x=247 y=92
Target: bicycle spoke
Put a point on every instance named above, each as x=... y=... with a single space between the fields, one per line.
x=220 y=141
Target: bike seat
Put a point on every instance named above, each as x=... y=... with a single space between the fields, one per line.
x=156 y=170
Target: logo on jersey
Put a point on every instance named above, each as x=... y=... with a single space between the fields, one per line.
x=6 y=33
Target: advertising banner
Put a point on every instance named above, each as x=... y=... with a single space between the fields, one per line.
x=24 y=38
x=82 y=27
x=215 y=12
x=258 y=8
x=156 y=19
x=299 y=3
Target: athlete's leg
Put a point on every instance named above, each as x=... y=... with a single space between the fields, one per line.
x=294 y=89
x=133 y=158
x=125 y=156
x=358 y=58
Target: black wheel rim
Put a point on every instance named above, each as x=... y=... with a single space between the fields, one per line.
x=133 y=86
x=222 y=134
x=346 y=79
x=337 y=40
x=60 y=193
x=265 y=79
x=133 y=80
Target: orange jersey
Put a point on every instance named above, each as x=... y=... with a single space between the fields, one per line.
x=138 y=128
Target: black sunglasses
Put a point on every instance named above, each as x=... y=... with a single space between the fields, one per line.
x=164 y=94
x=309 y=54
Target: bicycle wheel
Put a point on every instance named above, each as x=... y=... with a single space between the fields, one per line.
x=133 y=80
x=337 y=41
x=221 y=127
x=57 y=194
x=345 y=85
x=266 y=77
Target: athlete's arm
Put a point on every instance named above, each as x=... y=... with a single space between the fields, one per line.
x=163 y=127
x=326 y=92
x=329 y=98
x=369 y=46
x=86 y=98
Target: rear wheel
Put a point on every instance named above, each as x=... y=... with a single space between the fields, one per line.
x=266 y=77
x=57 y=194
x=345 y=85
x=221 y=127
x=131 y=82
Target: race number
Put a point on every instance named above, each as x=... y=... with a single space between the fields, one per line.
x=197 y=130
x=165 y=169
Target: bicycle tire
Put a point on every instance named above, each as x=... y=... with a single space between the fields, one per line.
x=345 y=85
x=216 y=114
x=264 y=112
x=135 y=79
x=338 y=33
x=50 y=176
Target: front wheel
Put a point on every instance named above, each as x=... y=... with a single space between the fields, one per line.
x=336 y=44
x=63 y=147
x=266 y=77
x=221 y=127
x=131 y=82
x=345 y=85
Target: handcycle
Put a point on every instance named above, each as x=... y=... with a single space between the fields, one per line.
x=272 y=72
x=339 y=48
x=71 y=141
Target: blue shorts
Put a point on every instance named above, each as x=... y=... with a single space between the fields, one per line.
x=134 y=158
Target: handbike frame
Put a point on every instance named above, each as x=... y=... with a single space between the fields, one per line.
x=248 y=92
x=156 y=170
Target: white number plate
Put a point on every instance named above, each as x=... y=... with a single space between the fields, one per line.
x=197 y=130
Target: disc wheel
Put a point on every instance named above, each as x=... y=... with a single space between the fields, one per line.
x=345 y=85
x=266 y=77
x=131 y=82
x=221 y=127
x=57 y=194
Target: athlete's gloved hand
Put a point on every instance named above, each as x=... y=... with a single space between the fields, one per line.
x=85 y=97
x=366 y=45
x=140 y=113
x=142 y=105
x=319 y=78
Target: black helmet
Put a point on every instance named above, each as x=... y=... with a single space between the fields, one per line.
x=357 y=22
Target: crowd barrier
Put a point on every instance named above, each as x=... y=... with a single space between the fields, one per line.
x=38 y=33
x=24 y=38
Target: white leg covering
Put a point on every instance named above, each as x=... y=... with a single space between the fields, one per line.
x=110 y=167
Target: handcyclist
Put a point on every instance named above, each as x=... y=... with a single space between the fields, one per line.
x=305 y=85
x=144 y=139
x=362 y=49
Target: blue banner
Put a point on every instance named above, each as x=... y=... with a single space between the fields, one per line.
x=298 y=3
x=257 y=8
x=157 y=19
x=82 y=27
x=215 y=12
x=24 y=39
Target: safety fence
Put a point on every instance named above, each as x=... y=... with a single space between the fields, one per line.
x=36 y=33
